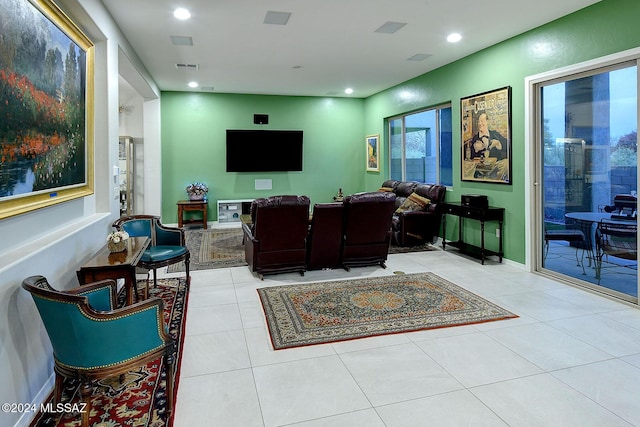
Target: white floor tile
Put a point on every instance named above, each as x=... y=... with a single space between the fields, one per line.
x=541 y=306
x=547 y=347
x=602 y=332
x=393 y=374
x=543 y=401
x=306 y=389
x=215 y=352
x=475 y=359
x=613 y=384
x=365 y=418
x=455 y=409
x=212 y=295
x=217 y=318
x=226 y=399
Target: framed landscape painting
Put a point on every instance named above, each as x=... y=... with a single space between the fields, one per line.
x=486 y=137
x=373 y=153
x=46 y=108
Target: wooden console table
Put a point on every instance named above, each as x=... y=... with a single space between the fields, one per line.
x=192 y=206
x=479 y=214
x=116 y=265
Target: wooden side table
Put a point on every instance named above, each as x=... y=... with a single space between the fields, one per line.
x=108 y=265
x=190 y=206
x=490 y=213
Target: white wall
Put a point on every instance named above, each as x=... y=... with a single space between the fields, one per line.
x=57 y=240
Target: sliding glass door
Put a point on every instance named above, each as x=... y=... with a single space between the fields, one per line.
x=587 y=151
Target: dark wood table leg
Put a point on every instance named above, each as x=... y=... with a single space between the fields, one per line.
x=482 y=241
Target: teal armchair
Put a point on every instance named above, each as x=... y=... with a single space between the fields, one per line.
x=92 y=339
x=167 y=243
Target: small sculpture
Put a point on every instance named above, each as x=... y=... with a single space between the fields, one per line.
x=338 y=197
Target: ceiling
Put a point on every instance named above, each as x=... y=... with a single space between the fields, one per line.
x=325 y=47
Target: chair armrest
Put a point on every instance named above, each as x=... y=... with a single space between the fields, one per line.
x=169 y=236
x=102 y=295
x=248 y=233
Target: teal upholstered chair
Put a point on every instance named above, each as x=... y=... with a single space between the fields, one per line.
x=92 y=339
x=167 y=243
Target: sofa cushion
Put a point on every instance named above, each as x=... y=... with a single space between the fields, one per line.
x=162 y=253
x=404 y=189
x=414 y=202
x=386 y=189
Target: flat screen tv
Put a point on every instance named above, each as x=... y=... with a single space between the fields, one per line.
x=264 y=150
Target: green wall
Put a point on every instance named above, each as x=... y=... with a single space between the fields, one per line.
x=194 y=124
x=604 y=28
x=193 y=146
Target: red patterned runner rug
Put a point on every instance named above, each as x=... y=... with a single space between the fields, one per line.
x=316 y=313
x=140 y=400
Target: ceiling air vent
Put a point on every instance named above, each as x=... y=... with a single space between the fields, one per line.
x=193 y=67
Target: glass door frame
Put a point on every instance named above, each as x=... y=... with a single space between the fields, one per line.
x=534 y=241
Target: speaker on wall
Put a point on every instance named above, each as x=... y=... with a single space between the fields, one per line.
x=261 y=119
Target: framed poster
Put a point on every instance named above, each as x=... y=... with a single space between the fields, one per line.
x=373 y=153
x=486 y=137
x=46 y=108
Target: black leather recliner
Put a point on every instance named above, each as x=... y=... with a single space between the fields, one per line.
x=276 y=240
x=367 y=228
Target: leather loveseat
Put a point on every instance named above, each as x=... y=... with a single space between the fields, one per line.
x=418 y=214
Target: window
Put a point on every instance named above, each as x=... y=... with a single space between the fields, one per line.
x=420 y=146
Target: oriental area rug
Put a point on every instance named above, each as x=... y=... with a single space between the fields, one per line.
x=324 y=312
x=213 y=248
x=140 y=398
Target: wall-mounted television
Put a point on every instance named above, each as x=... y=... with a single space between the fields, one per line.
x=264 y=150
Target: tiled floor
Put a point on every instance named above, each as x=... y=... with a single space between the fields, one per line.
x=571 y=359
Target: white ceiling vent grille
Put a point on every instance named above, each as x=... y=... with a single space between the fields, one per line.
x=193 y=67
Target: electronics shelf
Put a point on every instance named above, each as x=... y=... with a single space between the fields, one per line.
x=229 y=211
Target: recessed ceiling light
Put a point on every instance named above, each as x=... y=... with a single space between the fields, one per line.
x=193 y=84
x=348 y=91
x=182 y=13
x=454 y=38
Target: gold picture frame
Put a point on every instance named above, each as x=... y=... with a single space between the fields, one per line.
x=46 y=145
x=485 y=129
x=372 y=143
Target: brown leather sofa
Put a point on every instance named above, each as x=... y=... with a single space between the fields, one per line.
x=276 y=239
x=421 y=222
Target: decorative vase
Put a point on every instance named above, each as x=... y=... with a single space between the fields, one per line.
x=117 y=247
x=193 y=196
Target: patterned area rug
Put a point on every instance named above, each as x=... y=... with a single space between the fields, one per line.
x=315 y=313
x=222 y=247
x=140 y=399
x=213 y=248
x=406 y=249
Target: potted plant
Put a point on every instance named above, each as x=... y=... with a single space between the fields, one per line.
x=117 y=241
x=197 y=191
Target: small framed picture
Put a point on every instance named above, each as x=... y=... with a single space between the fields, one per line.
x=373 y=153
